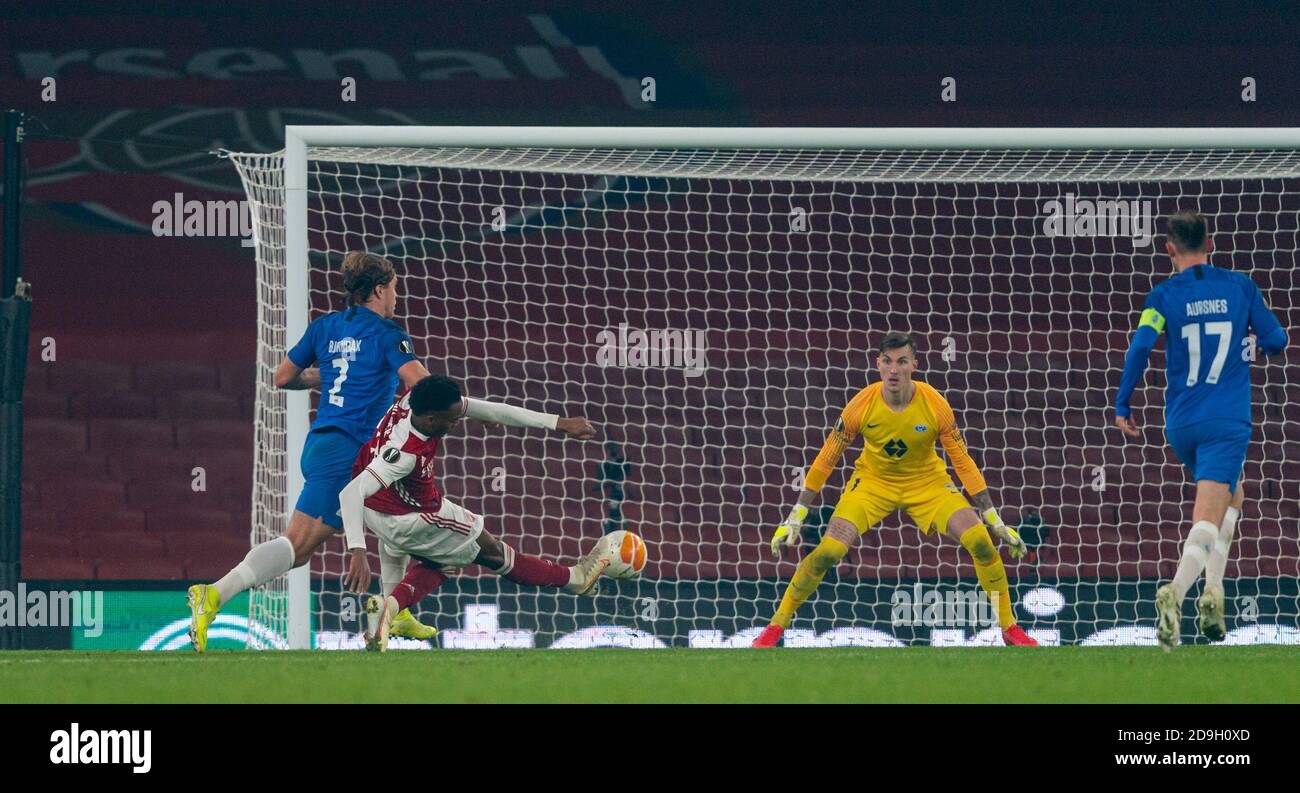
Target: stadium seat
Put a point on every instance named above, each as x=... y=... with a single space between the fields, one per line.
x=237 y=378
x=214 y=434
x=122 y=405
x=44 y=405
x=98 y=544
x=42 y=462
x=156 y=567
x=40 y=520
x=82 y=493
x=64 y=435
x=115 y=435
x=103 y=377
x=56 y=567
x=225 y=464
x=236 y=494
x=223 y=550
x=202 y=404
x=173 y=491
x=171 y=376
x=132 y=464
x=174 y=521
x=37 y=376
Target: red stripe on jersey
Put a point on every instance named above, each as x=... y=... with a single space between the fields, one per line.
x=450 y=525
x=433 y=517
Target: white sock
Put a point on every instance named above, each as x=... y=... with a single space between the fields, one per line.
x=392 y=568
x=1218 y=561
x=263 y=563
x=1196 y=551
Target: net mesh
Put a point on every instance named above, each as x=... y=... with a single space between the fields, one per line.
x=713 y=311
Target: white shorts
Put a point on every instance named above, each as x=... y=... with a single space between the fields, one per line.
x=448 y=537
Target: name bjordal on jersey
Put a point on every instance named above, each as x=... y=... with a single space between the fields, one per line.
x=1200 y=307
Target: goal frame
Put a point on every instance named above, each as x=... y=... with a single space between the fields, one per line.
x=299 y=138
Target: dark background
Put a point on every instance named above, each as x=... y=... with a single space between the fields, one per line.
x=156 y=336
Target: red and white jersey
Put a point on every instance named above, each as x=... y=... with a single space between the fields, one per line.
x=402 y=460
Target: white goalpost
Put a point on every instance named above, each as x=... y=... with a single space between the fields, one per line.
x=710 y=297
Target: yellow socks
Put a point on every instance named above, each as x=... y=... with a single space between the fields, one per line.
x=828 y=553
x=992 y=575
x=809 y=574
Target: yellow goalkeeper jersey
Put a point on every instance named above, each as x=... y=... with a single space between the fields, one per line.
x=900 y=446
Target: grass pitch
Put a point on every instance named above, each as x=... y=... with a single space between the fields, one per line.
x=919 y=674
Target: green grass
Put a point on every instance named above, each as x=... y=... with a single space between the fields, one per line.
x=920 y=674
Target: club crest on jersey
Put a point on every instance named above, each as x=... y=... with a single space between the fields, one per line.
x=391 y=454
x=920 y=428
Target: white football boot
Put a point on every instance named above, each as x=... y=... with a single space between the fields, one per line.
x=1169 y=616
x=1209 y=613
x=379 y=619
x=584 y=577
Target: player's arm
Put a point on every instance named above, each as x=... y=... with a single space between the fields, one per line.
x=352 y=500
x=292 y=377
x=1150 y=325
x=389 y=465
x=512 y=416
x=399 y=354
x=840 y=438
x=1270 y=336
x=411 y=373
x=296 y=372
x=971 y=478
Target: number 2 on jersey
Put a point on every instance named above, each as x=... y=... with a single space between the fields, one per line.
x=342 y=365
x=1192 y=333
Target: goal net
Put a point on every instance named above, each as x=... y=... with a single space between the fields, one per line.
x=711 y=310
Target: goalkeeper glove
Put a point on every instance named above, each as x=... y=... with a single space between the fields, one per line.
x=788 y=532
x=1005 y=533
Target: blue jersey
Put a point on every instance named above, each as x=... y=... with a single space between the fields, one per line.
x=359 y=353
x=1206 y=314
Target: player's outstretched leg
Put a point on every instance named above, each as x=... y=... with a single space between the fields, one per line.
x=204 y=602
x=382 y=610
x=582 y=578
x=264 y=562
x=807 y=576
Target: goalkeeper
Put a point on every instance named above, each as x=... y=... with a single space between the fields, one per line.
x=898 y=469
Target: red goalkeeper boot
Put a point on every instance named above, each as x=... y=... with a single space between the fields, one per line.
x=770 y=637
x=1015 y=636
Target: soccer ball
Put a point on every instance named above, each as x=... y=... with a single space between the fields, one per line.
x=629 y=555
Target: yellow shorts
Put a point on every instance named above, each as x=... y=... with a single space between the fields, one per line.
x=928 y=502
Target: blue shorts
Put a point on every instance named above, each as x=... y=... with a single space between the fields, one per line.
x=1214 y=449
x=327 y=458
